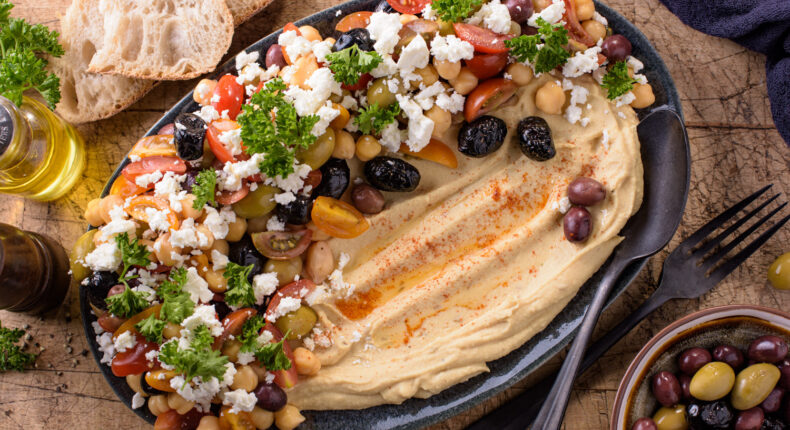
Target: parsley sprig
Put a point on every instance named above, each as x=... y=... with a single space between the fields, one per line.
x=129 y=302
x=271 y=355
x=545 y=50
x=240 y=292
x=176 y=303
x=198 y=360
x=616 y=81
x=204 y=189
x=351 y=63
x=11 y=355
x=276 y=139
x=151 y=328
x=21 y=64
x=373 y=119
x=454 y=10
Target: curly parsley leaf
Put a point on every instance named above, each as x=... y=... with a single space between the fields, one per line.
x=133 y=253
x=204 y=188
x=240 y=292
x=151 y=328
x=176 y=303
x=270 y=126
x=21 y=68
x=373 y=119
x=11 y=355
x=128 y=303
x=455 y=10
x=270 y=354
x=616 y=81
x=174 y=283
x=547 y=57
x=198 y=360
x=351 y=63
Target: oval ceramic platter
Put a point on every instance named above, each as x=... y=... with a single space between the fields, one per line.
x=505 y=372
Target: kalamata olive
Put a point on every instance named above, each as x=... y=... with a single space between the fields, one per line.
x=671 y=418
x=98 y=284
x=534 y=138
x=384 y=6
x=616 y=48
x=168 y=128
x=520 y=10
x=712 y=381
x=274 y=56
x=773 y=423
x=297 y=212
x=767 y=349
x=116 y=289
x=586 y=191
x=244 y=253
x=716 y=415
x=190 y=131
x=730 y=355
x=644 y=423
x=577 y=224
x=335 y=177
x=784 y=380
x=367 y=199
x=693 y=359
x=482 y=136
x=391 y=174
x=773 y=402
x=753 y=385
x=270 y=396
x=685 y=382
x=355 y=36
x=750 y=419
x=666 y=388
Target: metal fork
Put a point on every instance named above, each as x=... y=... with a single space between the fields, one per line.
x=690 y=271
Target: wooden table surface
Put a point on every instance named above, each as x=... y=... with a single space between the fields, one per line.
x=734 y=146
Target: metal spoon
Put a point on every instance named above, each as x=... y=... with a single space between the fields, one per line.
x=664 y=142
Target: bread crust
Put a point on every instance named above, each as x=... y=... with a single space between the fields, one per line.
x=243 y=10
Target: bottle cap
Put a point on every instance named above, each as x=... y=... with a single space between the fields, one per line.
x=6 y=128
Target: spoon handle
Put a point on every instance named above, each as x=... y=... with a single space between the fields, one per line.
x=553 y=410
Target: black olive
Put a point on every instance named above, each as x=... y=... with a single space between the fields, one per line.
x=384 y=6
x=244 y=253
x=98 y=285
x=297 y=212
x=335 y=177
x=190 y=131
x=715 y=415
x=392 y=174
x=222 y=309
x=773 y=423
x=482 y=136
x=355 y=36
x=148 y=389
x=534 y=137
x=189 y=180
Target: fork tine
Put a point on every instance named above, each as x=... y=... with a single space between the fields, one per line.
x=718 y=255
x=715 y=223
x=721 y=236
x=730 y=265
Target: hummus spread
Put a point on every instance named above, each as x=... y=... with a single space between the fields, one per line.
x=473 y=263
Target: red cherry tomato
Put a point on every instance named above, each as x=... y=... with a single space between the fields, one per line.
x=152 y=164
x=215 y=129
x=408 y=6
x=294 y=289
x=231 y=197
x=485 y=66
x=482 y=39
x=354 y=20
x=110 y=323
x=171 y=420
x=232 y=324
x=573 y=25
x=361 y=84
x=487 y=97
x=133 y=361
x=283 y=378
x=231 y=96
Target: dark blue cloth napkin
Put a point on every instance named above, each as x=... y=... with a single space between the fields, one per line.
x=760 y=25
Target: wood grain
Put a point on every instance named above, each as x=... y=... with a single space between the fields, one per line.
x=734 y=146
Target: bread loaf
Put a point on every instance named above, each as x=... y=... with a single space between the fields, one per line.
x=242 y=10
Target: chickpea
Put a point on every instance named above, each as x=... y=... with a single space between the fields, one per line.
x=550 y=98
x=520 y=73
x=216 y=281
x=442 y=120
x=318 y=234
x=206 y=244
x=319 y=262
x=179 y=404
x=187 y=210
x=428 y=76
x=465 y=82
x=257 y=224
x=236 y=229
x=595 y=29
x=203 y=91
x=107 y=204
x=342 y=119
x=92 y=214
x=171 y=330
x=262 y=419
x=515 y=29
x=306 y=362
x=344 y=145
x=644 y=96
x=164 y=250
x=446 y=69
x=245 y=379
x=288 y=418
x=407 y=18
x=158 y=404
x=584 y=9
x=221 y=245
x=208 y=422
x=134 y=383
x=310 y=33
x=367 y=147
x=230 y=349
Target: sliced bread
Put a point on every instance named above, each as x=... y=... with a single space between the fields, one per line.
x=242 y=10
x=162 y=39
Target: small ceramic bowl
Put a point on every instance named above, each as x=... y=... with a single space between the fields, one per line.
x=735 y=325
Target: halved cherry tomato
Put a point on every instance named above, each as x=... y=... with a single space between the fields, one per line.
x=282 y=245
x=573 y=25
x=337 y=218
x=487 y=97
x=354 y=20
x=232 y=324
x=158 y=144
x=484 y=40
x=155 y=379
x=231 y=197
x=215 y=129
x=125 y=188
x=129 y=324
x=485 y=66
x=408 y=6
x=133 y=361
x=362 y=83
x=171 y=420
x=137 y=206
x=283 y=378
x=291 y=27
x=231 y=96
x=153 y=164
x=435 y=151
x=296 y=289
x=235 y=421
x=110 y=323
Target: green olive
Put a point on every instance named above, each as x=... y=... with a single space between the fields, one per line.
x=446 y=28
x=82 y=247
x=257 y=203
x=208 y=157
x=754 y=384
x=673 y=418
x=779 y=272
x=712 y=381
x=297 y=323
x=319 y=152
x=380 y=94
x=286 y=270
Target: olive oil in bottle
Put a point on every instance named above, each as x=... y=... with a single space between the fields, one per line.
x=41 y=155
